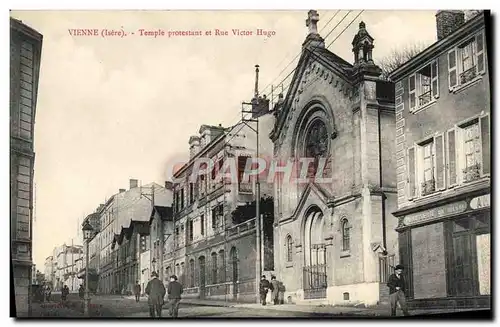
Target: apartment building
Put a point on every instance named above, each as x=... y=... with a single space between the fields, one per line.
x=443 y=127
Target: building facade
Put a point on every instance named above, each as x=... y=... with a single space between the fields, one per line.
x=334 y=235
x=65 y=269
x=444 y=166
x=212 y=247
x=25 y=54
x=119 y=219
x=48 y=271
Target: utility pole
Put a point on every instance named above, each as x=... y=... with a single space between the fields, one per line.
x=258 y=261
x=159 y=241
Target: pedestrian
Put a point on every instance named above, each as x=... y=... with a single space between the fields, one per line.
x=264 y=288
x=81 y=291
x=137 y=291
x=397 y=289
x=48 y=291
x=174 y=296
x=64 y=293
x=156 y=292
x=281 y=293
x=274 y=290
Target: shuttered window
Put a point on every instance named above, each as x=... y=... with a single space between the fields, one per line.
x=452 y=165
x=485 y=144
x=452 y=69
x=411 y=173
x=440 y=162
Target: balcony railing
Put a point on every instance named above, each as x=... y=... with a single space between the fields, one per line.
x=241 y=228
x=472 y=173
x=468 y=75
x=425 y=98
x=245 y=187
x=428 y=187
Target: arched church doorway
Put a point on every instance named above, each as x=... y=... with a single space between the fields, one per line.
x=314 y=272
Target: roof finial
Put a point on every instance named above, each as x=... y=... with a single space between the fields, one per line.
x=312 y=21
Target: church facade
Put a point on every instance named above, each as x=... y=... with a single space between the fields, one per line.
x=335 y=239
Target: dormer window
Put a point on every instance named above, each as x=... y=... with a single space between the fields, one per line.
x=423 y=86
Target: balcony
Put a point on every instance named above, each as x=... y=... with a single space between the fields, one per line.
x=472 y=173
x=239 y=229
x=245 y=187
x=468 y=75
x=428 y=187
x=424 y=98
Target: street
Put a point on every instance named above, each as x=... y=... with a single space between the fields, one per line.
x=118 y=306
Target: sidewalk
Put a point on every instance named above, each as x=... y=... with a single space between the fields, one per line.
x=375 y=311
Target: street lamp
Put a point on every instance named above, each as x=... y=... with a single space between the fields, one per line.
x=88 y=231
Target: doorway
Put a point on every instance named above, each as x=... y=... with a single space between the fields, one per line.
x=234 y=264
x=201 y=262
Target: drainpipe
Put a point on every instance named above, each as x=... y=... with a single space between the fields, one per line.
x=384 y=235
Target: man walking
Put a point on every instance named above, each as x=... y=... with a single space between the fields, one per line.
x=397 y=289
x=174 y=295
x=274 y=290
x=264 y=288
x=156 y=292
x=137 y=291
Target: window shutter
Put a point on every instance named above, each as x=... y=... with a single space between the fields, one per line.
x=440 y=171
x=485 y=144
x=411 y=173
x=435 y=78
x=412 y=96
x=480 y=52
x=452 y=160
x=452 y=69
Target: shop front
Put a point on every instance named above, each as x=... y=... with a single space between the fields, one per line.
x=445 y=248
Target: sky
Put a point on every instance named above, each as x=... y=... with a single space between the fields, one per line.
x=111 y=109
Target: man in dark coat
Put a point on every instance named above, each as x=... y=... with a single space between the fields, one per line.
x=274 y=290
x=264 y=288
x=81 y=292
x=174 y=295
x=397 y=289
x=156 y=292
x=137 y=291
x=64 y=293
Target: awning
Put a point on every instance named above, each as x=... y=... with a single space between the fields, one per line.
x=92 y=272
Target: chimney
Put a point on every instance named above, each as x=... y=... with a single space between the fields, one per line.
x=448 y=21
x=133 y=183
x=121 y=190
x=169 y=185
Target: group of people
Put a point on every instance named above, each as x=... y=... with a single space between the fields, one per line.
x=277 y=290
x=156 y=291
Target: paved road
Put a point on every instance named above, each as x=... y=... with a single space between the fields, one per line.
x=116 y=306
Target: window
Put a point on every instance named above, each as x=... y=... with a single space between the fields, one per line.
x=191 y=230
x=202 y=185
x=222 y=268
x=346 y=237
x=182 y=198
x=466 y=61
x=243 y=186
x=426 y=175
x=473 y=153
x=191 y=193
x=424 y=86
x=182 y=277
x=202 y=223
x=23 y=198
x=289 y=248
x=214 y=268
x=217 y=217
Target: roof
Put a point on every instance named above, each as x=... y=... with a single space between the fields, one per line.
x=438 y=47
x=166 y=213
x=212 y=127
x=327 y=58
x=18 y=25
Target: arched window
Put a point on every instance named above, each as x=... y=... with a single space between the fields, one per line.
x=191 y=273
x=222 y=267
x=233 y=255
x=214 y=268
x=346 y=237
x=289 y=248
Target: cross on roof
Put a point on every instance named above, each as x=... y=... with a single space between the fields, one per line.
x=312 y=21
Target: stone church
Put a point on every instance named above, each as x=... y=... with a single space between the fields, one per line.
x=335 y=241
